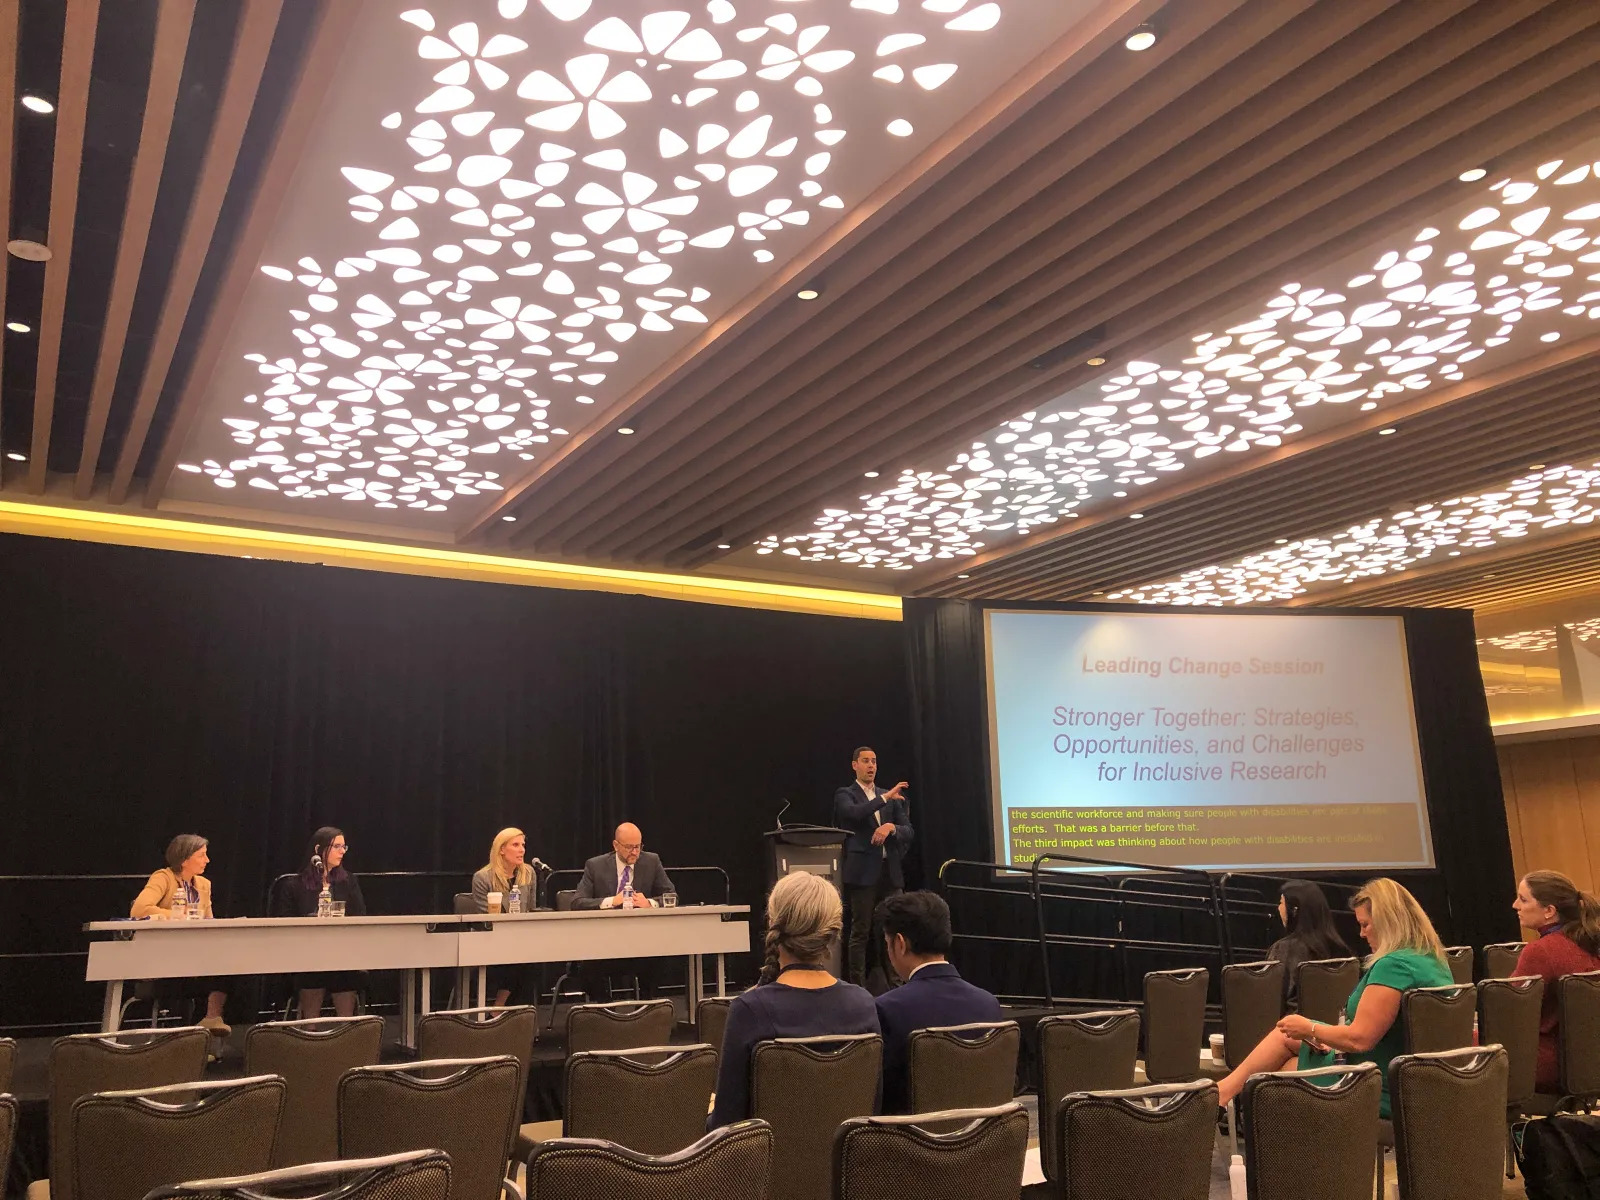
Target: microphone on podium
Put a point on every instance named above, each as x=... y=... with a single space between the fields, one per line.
x=781 y=811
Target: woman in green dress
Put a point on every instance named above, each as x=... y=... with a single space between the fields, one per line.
x=1406 y=953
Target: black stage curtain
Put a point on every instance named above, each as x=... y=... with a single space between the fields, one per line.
x=146 y=693
x=1468 y=895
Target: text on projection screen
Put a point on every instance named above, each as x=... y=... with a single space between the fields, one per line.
x=1224 y=741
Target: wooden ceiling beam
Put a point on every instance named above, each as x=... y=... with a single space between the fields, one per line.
x=72 y=114
x=1407 y=165
x=892 y=324
x=252 y=44
x=1062 y=251
x=994 y=147
x=319 y=66
x=173 y=22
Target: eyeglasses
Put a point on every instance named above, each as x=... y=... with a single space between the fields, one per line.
x=629 y=845
x=340 y=846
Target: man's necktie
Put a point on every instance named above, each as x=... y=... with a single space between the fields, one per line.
x=627 y=877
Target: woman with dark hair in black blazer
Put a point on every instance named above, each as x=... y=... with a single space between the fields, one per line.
x=1308 y=932
x=324 y=863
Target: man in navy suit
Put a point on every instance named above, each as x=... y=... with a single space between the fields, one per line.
x=880 y=830
x=916 y=935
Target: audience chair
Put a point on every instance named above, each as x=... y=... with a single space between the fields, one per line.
x=731 y=1163
x=977 y=1156
x=620 y=1025
x=126 y=1143
x=1577 y=1045
x=1449 y=1112
x=1438 y=1018
x=420 y=1175
x=1460 y=960
x=962 y=1066
x=1309 y=1134
x=1174 y=1023
x=1082 y=1052
x=652 y=1100
x=311 y=1056
x=1324 y=986
x=1252 y=1002
x=483 y=1033
x=710 y=1019
x=1500 y=959
x=1138 y=1144
x=1508 y=1016
x=804 y=1088
x=93 y=1062
x=8 y=1063
x=8 y=1135
x=438 y=1104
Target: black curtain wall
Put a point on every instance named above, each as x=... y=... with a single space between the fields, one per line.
x=1468 y=895
x=146 y=693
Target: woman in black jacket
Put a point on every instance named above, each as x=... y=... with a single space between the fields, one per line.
x=1309 y=933
x=298 y=898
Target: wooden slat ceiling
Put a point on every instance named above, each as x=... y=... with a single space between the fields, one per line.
x=1270 y=135
x=1119 y=201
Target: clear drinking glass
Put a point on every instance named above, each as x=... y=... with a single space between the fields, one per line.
x=338 y=908
x=669 y=899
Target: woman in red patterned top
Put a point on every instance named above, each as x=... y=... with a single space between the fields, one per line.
x=1568 y=924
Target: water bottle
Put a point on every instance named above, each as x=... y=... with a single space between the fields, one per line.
x=325 y=902
x=627 y=895
x=180 y=906
x=514 y=900
x=1238 y=1188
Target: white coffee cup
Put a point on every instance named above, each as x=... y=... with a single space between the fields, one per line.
x=1217 y=1043
x=495 y=899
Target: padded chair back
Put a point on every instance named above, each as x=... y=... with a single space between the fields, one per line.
x=963 y=1066
x=422 y=1175
x=652 y=1100
x=483 y=1033
x=125 y=1143
x=1139 y=1143
x=8 y=1136
x=1324 y=986
x=731 y=1163
x=1460 y=960
x=311 y=1056
x=710 y=1019
x=1508 y=1016
x=92 y=1062
x=1449 y=1123
x=620 y=1025
x=804 y=1088
x=1578 y=1002
x=1500 y=959
x=1174 y=1023
x=564 y=899
x=8 y=1063
x=1438 y=1018
x=1082 y=1052
x=1282 y=1155
x=1252 y=1002
x=976 y=1157
x=462 y=1106
x=463 y=904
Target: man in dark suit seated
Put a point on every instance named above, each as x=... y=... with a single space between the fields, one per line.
x=879 y=823
x=916 y=936
x=628 y=876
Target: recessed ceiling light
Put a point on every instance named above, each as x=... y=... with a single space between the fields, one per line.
x=31 y=251
x=1489 y=576
x=1141 y=38
x=18 y=327
x=724 y=546
x=1281 y=541
x=1135 y=516
x=1386 y=432
x=1535 y=466
x=1099 y=593
x=38 y=104
x=625 y=429
x=871 y=474
x=1097 y=362
x=508 y=517
x=810 y=292
x=963 y=576
x=1473 y=175
x=15 y=457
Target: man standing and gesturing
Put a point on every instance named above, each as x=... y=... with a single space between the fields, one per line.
x=880 y=830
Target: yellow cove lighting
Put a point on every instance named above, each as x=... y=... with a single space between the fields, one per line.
x=162 y=533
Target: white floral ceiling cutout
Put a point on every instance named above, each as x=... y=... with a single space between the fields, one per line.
x=1540 y=502
x=519 y=208
x=1501 y=276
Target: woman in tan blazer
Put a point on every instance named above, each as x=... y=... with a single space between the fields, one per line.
x=187 y=858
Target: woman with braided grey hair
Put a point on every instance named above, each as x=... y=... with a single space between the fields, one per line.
x=797 y=995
